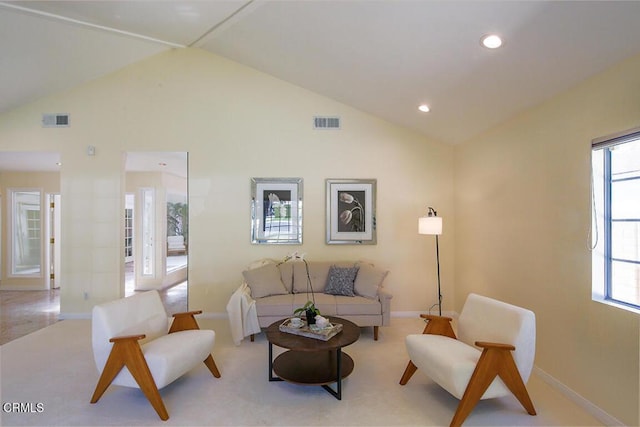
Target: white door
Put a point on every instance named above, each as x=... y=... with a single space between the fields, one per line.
x=54 y=240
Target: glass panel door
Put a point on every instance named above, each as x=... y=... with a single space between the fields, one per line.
x=128 y=228
x=148 y=230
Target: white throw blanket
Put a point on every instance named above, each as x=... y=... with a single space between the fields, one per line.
x=243 y=317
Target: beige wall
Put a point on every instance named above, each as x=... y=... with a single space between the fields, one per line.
x=522 y=218
x=236 y=123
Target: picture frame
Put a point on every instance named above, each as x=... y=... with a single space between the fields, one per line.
x=276 y=211
x=351 y=211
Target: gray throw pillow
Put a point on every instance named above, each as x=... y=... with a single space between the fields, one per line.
x=340 y=281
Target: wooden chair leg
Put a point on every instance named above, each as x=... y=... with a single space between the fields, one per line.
x=211 y=364
x=114 y=365
x=375 y=333
x=495 y=360
x=253 y=337
x=139 y=369
x=511 y=378
x=127 y=352
x=408 y=373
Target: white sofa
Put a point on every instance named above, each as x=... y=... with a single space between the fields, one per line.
x=350 y=290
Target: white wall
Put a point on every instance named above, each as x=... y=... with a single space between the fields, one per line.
x=236 y=123
x=523 y=214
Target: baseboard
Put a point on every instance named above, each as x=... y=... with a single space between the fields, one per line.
x=585 y=404
x=399 y=314
x=214 y=315
x=407 y=314
x=84 y=316
x=74 y=316
x=24 y=288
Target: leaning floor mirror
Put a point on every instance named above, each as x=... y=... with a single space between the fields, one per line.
x=276 y=210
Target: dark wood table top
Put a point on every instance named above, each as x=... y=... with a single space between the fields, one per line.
x=350 y=334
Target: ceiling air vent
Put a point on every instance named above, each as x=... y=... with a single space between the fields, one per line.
x=323 y=122
x=55 y=120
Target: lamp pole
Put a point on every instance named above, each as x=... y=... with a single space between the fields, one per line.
x=439 y=293
x=432 y=224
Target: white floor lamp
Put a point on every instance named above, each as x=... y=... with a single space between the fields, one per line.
x=431 y=224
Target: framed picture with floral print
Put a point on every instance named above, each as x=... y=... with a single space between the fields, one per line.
x=351 y=211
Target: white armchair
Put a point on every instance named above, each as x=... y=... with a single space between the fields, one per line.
x=133 y=346
x=495 y=339
x=176 y=245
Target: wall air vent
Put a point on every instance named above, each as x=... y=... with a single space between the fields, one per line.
x=324 y=122
x=55 y=121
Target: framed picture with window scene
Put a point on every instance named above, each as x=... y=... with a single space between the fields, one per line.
x=276 y=210
x=351 y=211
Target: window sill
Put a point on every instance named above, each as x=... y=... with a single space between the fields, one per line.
x=601 y=300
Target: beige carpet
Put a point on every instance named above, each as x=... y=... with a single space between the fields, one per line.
x=52 y=369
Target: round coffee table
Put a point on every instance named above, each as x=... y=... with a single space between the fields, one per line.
x=311 y=361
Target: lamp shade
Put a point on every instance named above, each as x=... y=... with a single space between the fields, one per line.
x=430 y=225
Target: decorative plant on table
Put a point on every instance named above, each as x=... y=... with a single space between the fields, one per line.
x=309 y=309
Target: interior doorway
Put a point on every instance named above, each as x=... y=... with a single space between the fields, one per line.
x=155 y=219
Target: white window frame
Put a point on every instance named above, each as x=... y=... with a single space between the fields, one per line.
x=602 y=245
x=13 y=215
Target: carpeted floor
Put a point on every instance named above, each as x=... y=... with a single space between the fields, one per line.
x=52 y=374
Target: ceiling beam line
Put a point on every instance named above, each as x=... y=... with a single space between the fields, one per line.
x=90 y=25
x=246 y=8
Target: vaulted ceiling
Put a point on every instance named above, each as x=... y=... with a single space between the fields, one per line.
x=384 y=57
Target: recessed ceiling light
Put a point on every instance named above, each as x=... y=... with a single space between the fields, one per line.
x=424 y=108
x=491 y=41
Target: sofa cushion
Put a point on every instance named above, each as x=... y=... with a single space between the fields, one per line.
x=142 y=313
x=286 y=274
x=275 y=305
x=325 y=303
x=153 y=327
x=318 y=273
x=354 y=306
x=368 y=280
x=265 y=281
x=171 y=356
x=340 y=281
x=449 y=362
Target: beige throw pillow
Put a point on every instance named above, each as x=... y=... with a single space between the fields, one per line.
x=265 y=281
x=368 y=280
